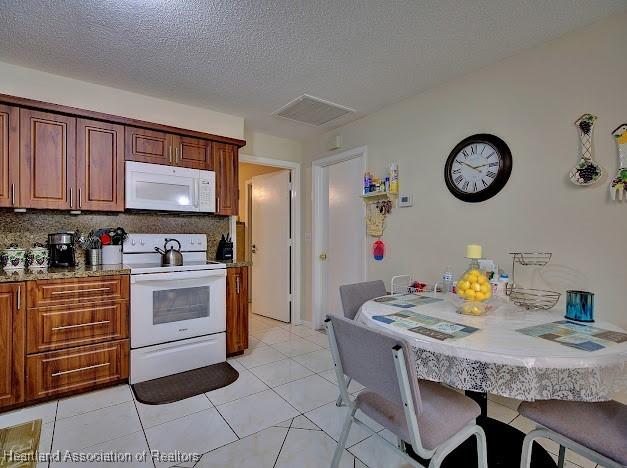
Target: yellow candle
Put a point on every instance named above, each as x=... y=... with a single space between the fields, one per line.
x=473 y=251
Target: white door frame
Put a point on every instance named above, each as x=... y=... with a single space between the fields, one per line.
x=319 y=226
x=294 y=168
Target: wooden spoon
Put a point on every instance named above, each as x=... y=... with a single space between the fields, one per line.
x=587 y=171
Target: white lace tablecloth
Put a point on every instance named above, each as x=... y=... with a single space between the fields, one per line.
x=498 y=359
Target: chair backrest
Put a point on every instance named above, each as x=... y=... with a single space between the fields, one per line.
x=366 y=356
x=354 y=295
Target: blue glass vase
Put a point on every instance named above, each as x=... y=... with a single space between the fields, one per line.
x=580 y=306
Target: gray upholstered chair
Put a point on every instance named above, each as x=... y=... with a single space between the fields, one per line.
x=432 y=418
x=598 y=431
x=353 y=296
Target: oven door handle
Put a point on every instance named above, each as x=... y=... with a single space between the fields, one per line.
x=178 y=276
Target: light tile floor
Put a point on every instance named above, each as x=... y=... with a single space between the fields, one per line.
x=280 y=413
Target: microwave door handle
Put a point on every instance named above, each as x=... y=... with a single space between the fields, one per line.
x=196 y=190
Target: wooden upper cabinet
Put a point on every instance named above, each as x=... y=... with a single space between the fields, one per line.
x=148 y=146
x=225 y=163
x=99 y=165
x=47 y=157
x=9 y=156
x=12 y=342
x=194 y=153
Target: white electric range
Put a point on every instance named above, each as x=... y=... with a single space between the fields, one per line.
x=178 y=313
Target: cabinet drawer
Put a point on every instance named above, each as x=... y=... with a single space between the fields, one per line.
x=42 y=293
x=76 y=369
x=63 y=327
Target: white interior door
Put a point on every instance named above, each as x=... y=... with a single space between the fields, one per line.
x=271 y=245
x=342 y=255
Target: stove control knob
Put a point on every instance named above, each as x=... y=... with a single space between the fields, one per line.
x=133 y=242
x=141 y=242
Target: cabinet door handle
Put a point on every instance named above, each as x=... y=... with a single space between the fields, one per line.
x=96 y=366
x=176 y=155
x=170 y=154
x=237 y=284
x=80 y=325
x=218 y=207
x=71 y=198
x=80 y=197
x=13 y=194
x=19 y=297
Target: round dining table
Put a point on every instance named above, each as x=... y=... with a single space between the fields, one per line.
x=510 y=351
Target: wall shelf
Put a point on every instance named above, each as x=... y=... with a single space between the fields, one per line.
x=377 y=196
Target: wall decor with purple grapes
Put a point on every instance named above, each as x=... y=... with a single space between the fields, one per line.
x=587 y=171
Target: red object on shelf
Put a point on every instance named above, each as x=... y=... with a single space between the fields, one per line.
x=378 y=250
x=105 y=239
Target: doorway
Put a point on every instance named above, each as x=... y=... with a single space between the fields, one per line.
x=267 y=230
x=339 y=234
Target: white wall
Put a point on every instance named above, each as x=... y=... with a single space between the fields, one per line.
x=35 y=84
x=531 y=100
x=269 y=146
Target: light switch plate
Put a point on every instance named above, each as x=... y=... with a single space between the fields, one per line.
x=405 y=201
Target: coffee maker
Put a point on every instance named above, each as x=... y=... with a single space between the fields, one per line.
x=61 y=249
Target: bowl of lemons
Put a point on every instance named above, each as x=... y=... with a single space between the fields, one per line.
x=474 y=288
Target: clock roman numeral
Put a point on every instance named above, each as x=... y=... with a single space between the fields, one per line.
x=457 y=171
x=491 y=174
x=465 y=186
x=490 y=155
x=474 y=189
x=458 y=179
x=493 y=164
x=484 y=183
x=472 y=149
x=465 y=154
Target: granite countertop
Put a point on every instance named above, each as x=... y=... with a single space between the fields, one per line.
x=235 y=263
x=63 y=273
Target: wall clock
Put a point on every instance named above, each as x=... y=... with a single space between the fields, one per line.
x=478 y=168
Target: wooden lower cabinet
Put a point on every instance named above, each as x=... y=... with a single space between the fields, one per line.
x=61 y=337
x=76 y=369
x=51 y=328
x=236 y=310
x=12 y=343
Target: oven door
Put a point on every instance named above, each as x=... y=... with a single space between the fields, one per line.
x=174 y=306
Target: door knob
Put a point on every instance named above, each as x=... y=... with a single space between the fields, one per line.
x=253 y=248
x=323 y=256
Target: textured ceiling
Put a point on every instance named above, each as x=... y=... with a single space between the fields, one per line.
x=251 y=57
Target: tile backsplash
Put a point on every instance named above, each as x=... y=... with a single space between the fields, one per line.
x=25 y=229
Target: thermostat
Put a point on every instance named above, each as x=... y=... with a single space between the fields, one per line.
x=405 y=201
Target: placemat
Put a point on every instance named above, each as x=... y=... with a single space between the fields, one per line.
x=406 y=301
x=575 y=335
x=426 y=325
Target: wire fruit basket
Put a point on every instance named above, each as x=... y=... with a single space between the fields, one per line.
x=534 y=299
x=531 y=258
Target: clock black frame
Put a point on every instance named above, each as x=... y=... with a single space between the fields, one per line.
x=505 y=168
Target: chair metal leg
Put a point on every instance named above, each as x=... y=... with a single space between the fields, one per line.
x=341 y=443
x=525 y=456
x=482 y=449
x=561 y=457
x=339 y=402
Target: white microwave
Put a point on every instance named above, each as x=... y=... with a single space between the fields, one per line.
x=167 y=188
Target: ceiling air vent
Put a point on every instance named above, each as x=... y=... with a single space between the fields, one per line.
x=312 y=111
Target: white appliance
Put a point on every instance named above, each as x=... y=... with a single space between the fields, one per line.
x=178 y=313
x=167 y=188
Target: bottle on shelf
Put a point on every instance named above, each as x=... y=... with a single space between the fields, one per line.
x=501 y=288
x=394 y=178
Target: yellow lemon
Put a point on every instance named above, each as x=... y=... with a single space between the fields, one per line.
x=485 y=288
x=482 y=279
x=474 y=271
x=488 y=293
x=464 y=285
x=479 y=296
x=476 y=287
x=460 y=293
x=472 y=278
x=470 y=294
